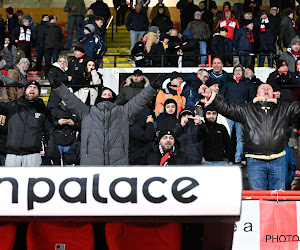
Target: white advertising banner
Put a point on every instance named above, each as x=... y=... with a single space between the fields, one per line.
x=120 y=191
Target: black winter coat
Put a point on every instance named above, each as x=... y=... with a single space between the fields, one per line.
x=174 y=46
x=217 y=46
x=39 y=31
x=166 y=121
x=187 y=15
x=101 y=9
x=29 y=122
x=137 y=21
x=53 y=37
x=241 y=42
x=157 y=50
x=191 y=50
x=73 y=154
x=267 y=39
x=163 y=22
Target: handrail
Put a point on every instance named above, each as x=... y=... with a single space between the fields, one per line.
x=273 y=195
x=112 y=27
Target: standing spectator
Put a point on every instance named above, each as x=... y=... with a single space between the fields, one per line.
x=206 y=16
x=134 y=84
x=168 y=118
x=217 y=14
x=159 y=50
x=18 y=75
x=275 y=19
x=238 y=6
x=243 y=42
x=22 y=36
x=21 y=16
x=187 y=14
x=57 y=72
x=288 y=29
x=267 y=39
x=89 y=17
x=121 y=9
x=217 y=146
x=292 y=54
x=53 y=42
x=66 y=125
x=9 y=54
x=152 y=37
x=3 y=136
x=30 y=120
x=155 y=8
x=217 y=45
x=139 y=52
x=201 y=32
x=290 y=167
x=181 y=4
x=173 y=90
x=238 y=90
x=137 y=23
x=162 y=21
x=189 y=50
x=217 y=72
x=231 y=24
x=174 y=47
x=12 y=20
x=2 y=29
x=252 y=6
x=101 y=9
x=76 y=12
x=39 y=32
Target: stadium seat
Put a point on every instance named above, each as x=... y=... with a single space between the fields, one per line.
x=7 y=236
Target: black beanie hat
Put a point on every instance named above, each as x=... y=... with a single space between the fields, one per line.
x=210 y=82
x=280 y=63
x=79 y=48
x=165 y=132
x=36 y=83
x=174 y=75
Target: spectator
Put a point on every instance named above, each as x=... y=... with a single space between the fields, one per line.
x=91 y=77
x=137 y=23
x=159 y=50
x=290 y=167
x=218 y=47
x=141 y=136
x=238 y=90
x=187 y=14
x=292 y=54
x=2 y=29
x=12 y=20
x=267 y=39
x=53 y=42
x=99 y=27
x=22 y=36
x=38 y=124
x=168 y=118
x=181 y=4
x=105 y=126
x=76 y=67
x=217 y=72
x=217 y=14
x=275 y=19
x=152 y=37
x=283 y=78
x=217 y=146
x=206 y=16
x=191 y=132
x=173 y=90
x=249 y=74
x=39 y=32
x=155 y=8
x=174 y=47
x=238 y=6
x=121 y=9
x=231 y=24
x=252 y=6
x=243 y=42
x=89 y=17
x=10 y=54
x=189 y=49
x=144 y=4
x=288 y=29
x=134 y=84
x=16 y=75
x=21 y=16
x=66 y=126
x=247 y=16
x=162 y=21
x=3 y=136
x=201 y=32
x=266 y=164
x=101 y=9
x=139 y=52
x=72 y=156
x=76 y=12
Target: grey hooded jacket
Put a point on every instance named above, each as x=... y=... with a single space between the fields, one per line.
x=105 y=126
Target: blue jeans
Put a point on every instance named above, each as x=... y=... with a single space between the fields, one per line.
x=63 y=150
x=74 y=21
x=135 y=36
x=239 y=130
x=229 y=44
x=203 y=50
x=245 y=59
x=212 y=163
x=263 y=175
x=261 y=61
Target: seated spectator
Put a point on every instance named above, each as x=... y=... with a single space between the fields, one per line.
x=10 y=54
x=217 y=46
x=201 y=32
x=155 y=8
x=139 y=52
x=168 y=118
x=159 y=50
x=141 y=136
x=162 y=21
x=290 y=167
x=134 y=84
x=267 y=39
x=187 y=14
x=243 y=42
x=16 y=75
x=91 y=77
x=292 y=54
x=252 y=6
x=66 y=125
x=173 y=90
x=189 y=50
x=190 y=132
x=217 y=146
x=152 y=37
x=288 y=29
x=174 y=47
x=217 y=72
x=249 y=74
x=283 y=77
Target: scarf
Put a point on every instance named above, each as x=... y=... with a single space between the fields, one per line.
x=165 y=45
x=282 y=72
x=237 y=79
x=262 y=24
x=294 y=53
x=250 y=35
x=294 y=25
x=166 y=156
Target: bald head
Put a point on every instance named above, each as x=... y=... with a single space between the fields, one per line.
x=265 y=90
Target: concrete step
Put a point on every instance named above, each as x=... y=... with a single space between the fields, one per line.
x=119 y=59
x=124 y=65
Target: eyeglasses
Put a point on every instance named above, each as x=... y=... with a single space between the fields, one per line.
x=62 y=61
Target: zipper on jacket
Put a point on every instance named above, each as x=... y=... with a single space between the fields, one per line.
x=24 y=129
x=267 y=132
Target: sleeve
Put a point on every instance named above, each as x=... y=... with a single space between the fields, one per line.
x=67 y=7
x=201 y=131
x=5 y=107
x=228 y=148
x=14 y=55
x=6 y=79
x=236 y=39
x=128 y=22
x=159 y=103
x=178 y=130
x=137 y=132
x=49 y=133
x=121 y=97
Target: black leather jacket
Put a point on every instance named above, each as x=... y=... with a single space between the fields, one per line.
x=265 y=122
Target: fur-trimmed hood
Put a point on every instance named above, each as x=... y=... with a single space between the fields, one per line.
x=128 y=82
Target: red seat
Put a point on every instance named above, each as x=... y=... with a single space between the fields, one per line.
x=7 y=236
x=50 y=236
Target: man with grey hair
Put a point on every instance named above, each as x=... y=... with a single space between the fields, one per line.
x=18 y=76
x=292 y=54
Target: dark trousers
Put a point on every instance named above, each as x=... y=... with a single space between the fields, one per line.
x=50 y=53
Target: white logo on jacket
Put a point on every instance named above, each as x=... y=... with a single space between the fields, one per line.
x=37 y=115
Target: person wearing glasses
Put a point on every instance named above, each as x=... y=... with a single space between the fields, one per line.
x=57 y=71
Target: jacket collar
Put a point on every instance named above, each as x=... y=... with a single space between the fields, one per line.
x=262 y=99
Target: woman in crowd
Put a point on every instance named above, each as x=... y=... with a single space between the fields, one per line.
x=10 y=54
